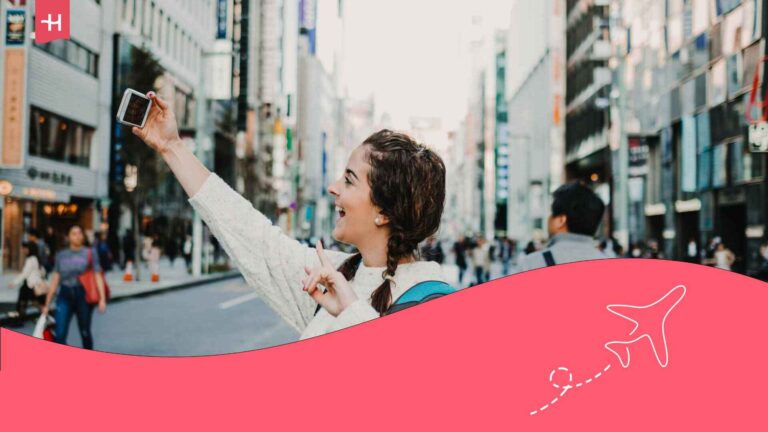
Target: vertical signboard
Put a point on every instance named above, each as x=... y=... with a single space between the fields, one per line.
x=308 y=21
x=222 y=19
x=15 y=26
x=13 y=108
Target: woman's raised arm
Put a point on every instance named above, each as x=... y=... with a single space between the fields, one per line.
x=271 y=262
x=161 y=133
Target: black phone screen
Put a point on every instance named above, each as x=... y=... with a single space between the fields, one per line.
x=137 y=107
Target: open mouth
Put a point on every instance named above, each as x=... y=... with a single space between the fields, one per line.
x=340 y=211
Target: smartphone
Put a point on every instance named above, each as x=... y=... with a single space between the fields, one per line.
x=134 y=109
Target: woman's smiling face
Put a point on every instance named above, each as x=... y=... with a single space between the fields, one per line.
x=355 y=212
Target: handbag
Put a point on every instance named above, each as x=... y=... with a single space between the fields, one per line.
x=40 y=288
x=88 y=280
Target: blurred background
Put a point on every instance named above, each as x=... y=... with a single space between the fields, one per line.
x=646 y=101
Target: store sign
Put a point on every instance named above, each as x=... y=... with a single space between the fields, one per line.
x=221 y=19
x=15 y=26
x=638 y=157
x=6 y=187
x=49 y=176
x=758 y=138
x=13 y=112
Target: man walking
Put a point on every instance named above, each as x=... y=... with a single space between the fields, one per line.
x=576 y=215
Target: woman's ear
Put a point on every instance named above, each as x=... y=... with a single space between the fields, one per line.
x=381 y=220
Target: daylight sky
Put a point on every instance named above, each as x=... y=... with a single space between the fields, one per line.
x=411 y=54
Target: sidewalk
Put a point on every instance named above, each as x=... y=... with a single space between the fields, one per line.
x=171 y=277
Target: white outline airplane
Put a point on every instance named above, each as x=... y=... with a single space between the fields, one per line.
x=654 y=331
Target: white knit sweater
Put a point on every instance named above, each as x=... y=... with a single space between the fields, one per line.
x=273 y=263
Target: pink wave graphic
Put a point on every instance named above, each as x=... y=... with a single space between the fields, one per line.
x=484 y=358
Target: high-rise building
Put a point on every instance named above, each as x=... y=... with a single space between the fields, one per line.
x=162 y=44
x=587 y=98
x=684 y=74
x=321 y=153
x=535 y=131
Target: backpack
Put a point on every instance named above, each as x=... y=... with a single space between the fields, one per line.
x=420 y=293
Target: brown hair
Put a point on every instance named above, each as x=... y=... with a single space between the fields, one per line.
x=407 y=183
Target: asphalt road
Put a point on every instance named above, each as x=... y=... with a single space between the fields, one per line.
x=218 y=318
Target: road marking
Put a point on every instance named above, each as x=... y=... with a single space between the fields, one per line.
x=238 y=301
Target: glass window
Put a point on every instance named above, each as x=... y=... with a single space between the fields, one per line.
x=732 y=32
x=74 y=54
x=58 y=138
x=700 y=15
x=719 y=164
x=717 y=83
x=736 y=161
x=704 y=170
x=734 y=72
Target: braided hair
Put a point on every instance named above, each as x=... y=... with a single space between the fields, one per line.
x=407 y=183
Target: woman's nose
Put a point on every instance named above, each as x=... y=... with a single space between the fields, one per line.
x=332 y=189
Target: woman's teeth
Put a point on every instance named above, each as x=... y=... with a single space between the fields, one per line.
x=340 y=211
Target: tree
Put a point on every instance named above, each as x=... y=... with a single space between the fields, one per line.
x=142 y=73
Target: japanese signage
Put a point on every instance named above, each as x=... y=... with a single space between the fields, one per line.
x=13 y=108
x=15 y=26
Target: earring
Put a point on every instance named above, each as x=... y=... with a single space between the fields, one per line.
x=377 y=221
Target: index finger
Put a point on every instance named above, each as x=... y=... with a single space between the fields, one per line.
x=321 y=254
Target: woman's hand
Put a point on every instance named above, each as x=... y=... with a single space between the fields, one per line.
x=44 y=310
x=339 y=294
x=160 y=129
x=102 y=306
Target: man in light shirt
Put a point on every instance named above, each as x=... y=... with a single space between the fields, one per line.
x=576 y=215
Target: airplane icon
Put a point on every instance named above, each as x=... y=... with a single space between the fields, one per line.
x=650 y=321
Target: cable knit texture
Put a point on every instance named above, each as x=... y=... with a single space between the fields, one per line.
x=273 y=263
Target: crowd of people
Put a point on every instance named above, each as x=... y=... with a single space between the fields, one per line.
x=576 y=215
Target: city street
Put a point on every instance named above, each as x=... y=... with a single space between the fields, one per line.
x=217 y=318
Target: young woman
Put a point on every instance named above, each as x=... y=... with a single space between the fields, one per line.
x=70 y=264
x=31 y=276
x=389 y=199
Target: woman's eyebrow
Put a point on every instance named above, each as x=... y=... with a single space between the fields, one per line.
x=349 y=171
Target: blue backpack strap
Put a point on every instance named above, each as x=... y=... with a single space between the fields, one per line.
x=420 y=293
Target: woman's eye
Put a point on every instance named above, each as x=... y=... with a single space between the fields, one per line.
x=346 y=181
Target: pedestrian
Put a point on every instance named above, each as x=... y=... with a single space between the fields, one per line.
x=432 y=251
x=102 y=248
x=43 y=252
x=506 y=249
x=30 y=282
x=186 y=252
x=576 y=215
x=481 y=259
x=71 y=263
x=692 y=252
x=762 y=274
x=460 y=253
x=129 y=247
x=171 y=249
x=724 y=258
x=152 y=256
x=389 y=198
x=52 y=240
x=653 y=251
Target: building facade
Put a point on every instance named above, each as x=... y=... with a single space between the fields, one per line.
x=55 y=145
x=535 y=88
x=587 y=99
x=685 y=74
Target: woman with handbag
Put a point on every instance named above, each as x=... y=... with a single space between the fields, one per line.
x=30 y=280
x=78 y=272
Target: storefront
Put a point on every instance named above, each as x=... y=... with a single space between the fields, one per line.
x=48 y=197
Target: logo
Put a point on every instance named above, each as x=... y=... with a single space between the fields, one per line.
x=51 y=20
x=650 y=323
